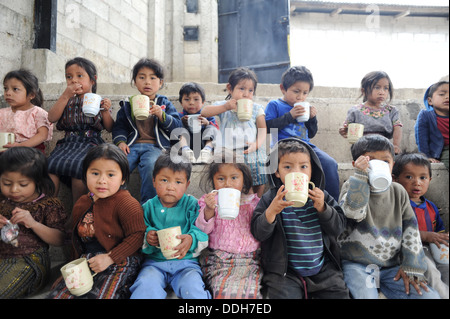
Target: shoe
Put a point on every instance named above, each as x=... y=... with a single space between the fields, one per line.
x=205 y=157
x=189 y=155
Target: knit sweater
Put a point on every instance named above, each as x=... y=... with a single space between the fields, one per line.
x=119 y=224
x=382 y=227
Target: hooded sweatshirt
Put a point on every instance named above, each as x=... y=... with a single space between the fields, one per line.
x=276 y=253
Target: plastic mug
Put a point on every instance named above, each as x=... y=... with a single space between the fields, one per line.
x=440 y=255
x=91 y=104
x=195 y=126
x=141 y=106
x=355 y=132
x=244 y=109
x=228 y=202
x=78 y=277
x=305 y=116
x=380 y=176
x=168 y=241
x=297 y=185
x=6 y=138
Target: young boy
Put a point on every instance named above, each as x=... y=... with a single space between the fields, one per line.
x=299 y=251
x=143 y=140
x=171 y=207
x=192 y=99
x=296 y=84
x=431 y=129
x=413 y=172
x=382 y=243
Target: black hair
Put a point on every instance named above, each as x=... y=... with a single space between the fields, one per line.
x=152 y=64
x=239 y=74
x=434 y=87
x=297 y=74
x=88 y=66
x=165 y=161
x=29 y=162
x=221 y=157
x=418 y=159
x=189 y=88
x=110 y=152
x=291 y=146
x=30 y=82
x=370 y=80
x=371 y=143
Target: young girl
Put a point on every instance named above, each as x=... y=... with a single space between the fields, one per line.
x=26 y=200
x=108 y=226
x=25 y=116
x=82 y=132
x=231 y=264
x=248 y=137
x=377 y=116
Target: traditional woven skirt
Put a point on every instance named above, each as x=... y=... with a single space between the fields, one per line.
x=21 y=277
x=112 y=283
x=232 y=276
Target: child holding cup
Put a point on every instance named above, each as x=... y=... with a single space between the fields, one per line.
x=176 y=265
x=231 y=264
x=300 y=254
x=142 y=139
x=82 y=132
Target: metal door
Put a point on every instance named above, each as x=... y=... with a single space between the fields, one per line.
x=254 y=34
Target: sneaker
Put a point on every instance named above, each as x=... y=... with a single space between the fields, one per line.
x=189 y=154
x=205 y=157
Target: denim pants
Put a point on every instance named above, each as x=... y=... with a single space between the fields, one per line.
x=363 y=282
x=330 y=170
x=184 y=276
x=144 y=157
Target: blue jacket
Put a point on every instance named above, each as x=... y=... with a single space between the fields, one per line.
x=124 y=129
x=428 y=137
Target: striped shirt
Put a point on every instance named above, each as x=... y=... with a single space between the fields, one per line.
x=304 y=239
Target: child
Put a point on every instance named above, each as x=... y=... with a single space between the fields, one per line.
x=192 y=98
x=232 y=262
x=108 y=226
x=25 y=116
x=375 y=114
x=413 y=172
x=143 y=140
x=171 y=207
x=382 y=242
x=246 y=137
x=81 y=132
x=26 y=200
x=300 y=255
x=431 y=129
x=296 y=84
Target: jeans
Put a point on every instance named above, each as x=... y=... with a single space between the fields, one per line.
x=144 y=157
x=363 y=281
x=184 y=276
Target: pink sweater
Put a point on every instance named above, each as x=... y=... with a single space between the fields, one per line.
x=230 y=235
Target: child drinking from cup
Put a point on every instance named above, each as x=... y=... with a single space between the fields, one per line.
x=24 y=117
x=27 y=200
x=375 y=113
x=247 y=138
x=107 y=226
x=192 y=99
x=413 y=172
x=81 y=132
x=231 y=264
x=381 y=247
x=170 y=208
x=300 y=254
x=144 y=140
x=282 y=114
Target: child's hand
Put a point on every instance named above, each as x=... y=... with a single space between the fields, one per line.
x=106 y=105
x=344 y=130
x=415 y=282
x=203 y=120
x=397 y=149
x=3 y=221
x=433 y=160
x=23 y=217
x=362 y=163
x=277 y=205
x=183 y=248
x=435 y=238
x=152 y=238
x=312 y=111
x=231 y=105
x=157 y=111
x=252 y=147
x=124 y=147
x=184 y=120
x=210 y=208
x=318 y=198
x=100 y=262
x=73 y=89
x=297 y=111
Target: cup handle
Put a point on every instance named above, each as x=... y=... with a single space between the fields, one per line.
x=313 y=185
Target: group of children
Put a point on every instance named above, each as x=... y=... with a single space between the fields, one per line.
x=329 y=248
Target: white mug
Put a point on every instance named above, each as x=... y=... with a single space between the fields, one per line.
x=168 y=241
x=78 y=277
x=297 y=185
x=195 y=126
x=305 y=116
x=6 y=138
x=380 y=176
x=228 y=202
x=440 y=255
x=244 y=109
x=141 y=106
x=354 y=132
x=91 y=104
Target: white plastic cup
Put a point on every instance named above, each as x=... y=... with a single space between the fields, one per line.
x=141 y=106
x=194 y=124
x=380 y=176
x=440 y=255
x=91 y=104
x=354 y=132
x=6 y=138
x=228 y=202
x=297 y=185
x=244 y=109
x=78 y=277
x=168 y=241
x=305 y=116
